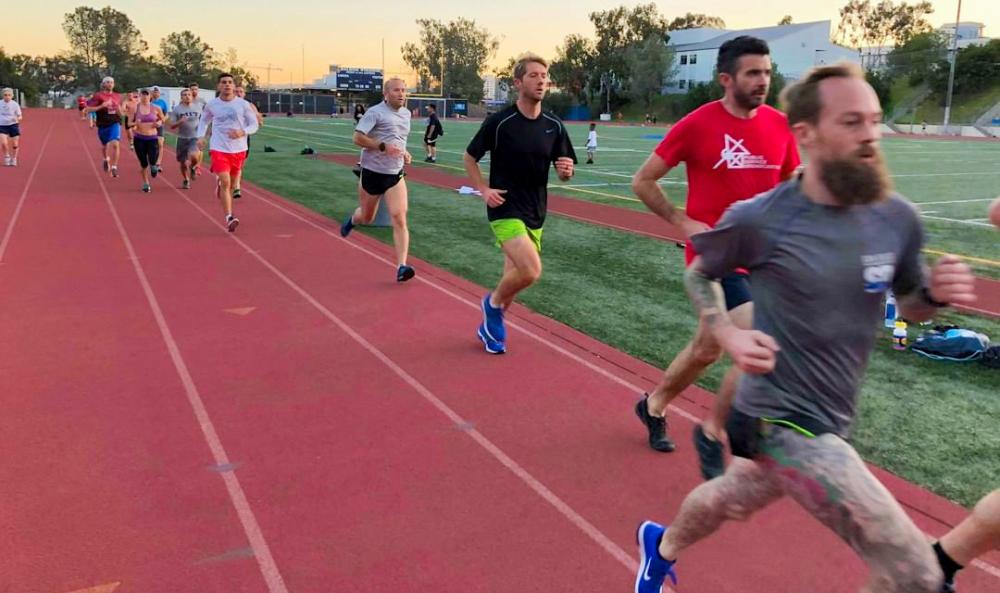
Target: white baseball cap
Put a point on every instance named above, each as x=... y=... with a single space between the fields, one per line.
x=154 y=88
x=107 y=79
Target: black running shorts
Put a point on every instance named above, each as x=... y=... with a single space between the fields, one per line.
x=376 y=184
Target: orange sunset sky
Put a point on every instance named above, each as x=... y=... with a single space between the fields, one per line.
x=352 y=33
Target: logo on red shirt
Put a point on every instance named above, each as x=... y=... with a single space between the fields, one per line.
x=737 y=156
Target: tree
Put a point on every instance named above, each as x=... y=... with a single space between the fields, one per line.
x=696 y=21
x=652 y=65
x=103 y=41
x=572 y=67
x=976 y=69
x=617 y=30
x=505 y=79
x=458 y=51
x=919 y=57
x=185 y=58
x=777 y=85
x=881 y=81
x=785 y=20
x=864 y=24
x=230 y=62
x=19 y=71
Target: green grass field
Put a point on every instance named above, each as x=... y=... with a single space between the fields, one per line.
x=933 y=423
x=952 y=181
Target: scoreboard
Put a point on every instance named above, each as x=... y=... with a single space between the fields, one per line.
x=359 y=79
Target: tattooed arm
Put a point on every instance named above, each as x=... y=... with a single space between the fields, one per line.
x=751 y=350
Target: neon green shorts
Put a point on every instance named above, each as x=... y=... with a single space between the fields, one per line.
x=506 y=229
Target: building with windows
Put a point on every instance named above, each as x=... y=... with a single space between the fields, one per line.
x=794 y=49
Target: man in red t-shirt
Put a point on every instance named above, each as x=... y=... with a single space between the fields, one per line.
x=107 y=104
x=733 y=149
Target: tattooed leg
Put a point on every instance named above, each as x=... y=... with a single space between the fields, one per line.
x=827 y=477
x=744 y=489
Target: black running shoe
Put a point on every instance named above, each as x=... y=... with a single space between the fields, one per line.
x=657 y=427
x=237 y=194
x=154 y=171
x=710 y=454
x=106 y=165
x=231 y=223
x=405 y=273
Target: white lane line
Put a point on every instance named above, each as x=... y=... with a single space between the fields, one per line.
x=24 y=195
x=268 y=567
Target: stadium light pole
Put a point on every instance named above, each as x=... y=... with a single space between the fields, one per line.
x=269 y=67
x=951 y=70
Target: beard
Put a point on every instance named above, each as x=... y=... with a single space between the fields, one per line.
x=749 y=100
x=854 y=182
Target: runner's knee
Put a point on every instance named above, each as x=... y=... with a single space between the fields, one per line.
x=987 y=513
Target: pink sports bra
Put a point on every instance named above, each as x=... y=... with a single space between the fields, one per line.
x=146 y=118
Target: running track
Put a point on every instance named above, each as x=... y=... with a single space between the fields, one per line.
x=188 y=410
x=633 y=221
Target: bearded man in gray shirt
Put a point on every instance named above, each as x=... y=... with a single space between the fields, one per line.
x=382 y=134
x=821 y=249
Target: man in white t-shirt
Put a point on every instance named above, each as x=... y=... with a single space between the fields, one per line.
x=10 y=128
x=232 y=120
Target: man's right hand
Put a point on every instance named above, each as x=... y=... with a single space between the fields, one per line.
x=201 y=144
x=493 y=197
x=752 y=351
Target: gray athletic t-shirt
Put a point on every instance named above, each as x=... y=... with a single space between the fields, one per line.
x=388 y=125
x=189 y=127
x=818 y=274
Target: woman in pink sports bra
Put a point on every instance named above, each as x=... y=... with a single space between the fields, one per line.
x=146 y=118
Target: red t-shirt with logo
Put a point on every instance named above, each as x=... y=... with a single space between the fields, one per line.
x=728 y=158
x=110 y=115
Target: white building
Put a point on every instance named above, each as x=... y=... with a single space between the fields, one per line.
x=794 y=48
x=969 y=33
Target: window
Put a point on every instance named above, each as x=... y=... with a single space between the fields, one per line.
x=683 y=83
x=694 y=59
x=684 y=59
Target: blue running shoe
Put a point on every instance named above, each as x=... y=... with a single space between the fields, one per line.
x=345 y=229
x=653 y=569
x=492 y=346
x=404 y=273
x=493 y=320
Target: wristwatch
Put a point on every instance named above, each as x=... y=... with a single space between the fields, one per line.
x=381 y=146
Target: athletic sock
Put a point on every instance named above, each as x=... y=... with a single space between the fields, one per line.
x=948 y=565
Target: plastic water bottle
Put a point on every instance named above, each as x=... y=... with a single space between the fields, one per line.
x=899 y=335
x=890 y=309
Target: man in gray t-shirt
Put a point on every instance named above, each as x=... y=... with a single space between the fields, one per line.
x=184 y=118
x=821 y=249
x=382 y=134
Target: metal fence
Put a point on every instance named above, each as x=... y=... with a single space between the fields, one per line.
x=296 y=103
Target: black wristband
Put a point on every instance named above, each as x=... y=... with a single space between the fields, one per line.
x=381 y=146
x=930 y=300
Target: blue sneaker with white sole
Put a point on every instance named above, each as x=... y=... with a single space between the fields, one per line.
x=345 y=229
x=653 y=569
x=492 y=346
x=493 y=320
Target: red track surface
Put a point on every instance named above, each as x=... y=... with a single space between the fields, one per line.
x=188 y=410
x=643 y=223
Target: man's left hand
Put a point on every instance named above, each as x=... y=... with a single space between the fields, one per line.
x=952 y=281
x=564 y=168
